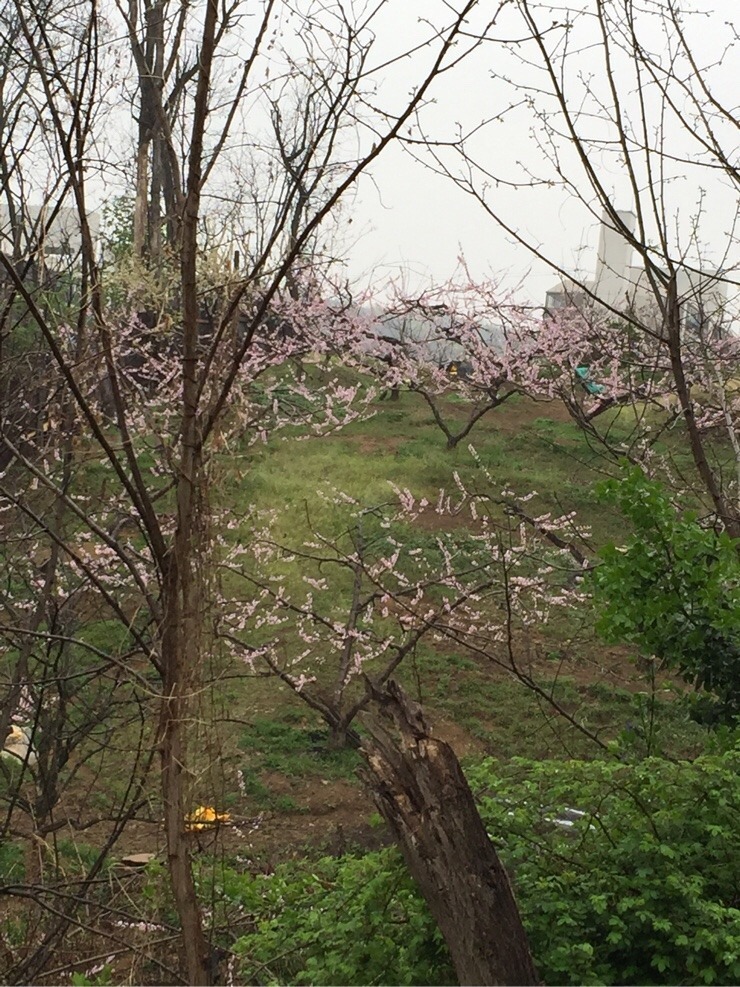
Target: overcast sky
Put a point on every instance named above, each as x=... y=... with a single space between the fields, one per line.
x=414 y=220
x=408 y=222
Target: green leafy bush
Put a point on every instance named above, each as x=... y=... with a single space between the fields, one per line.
x=349 y=920
x=673 y=591
x=643 y=888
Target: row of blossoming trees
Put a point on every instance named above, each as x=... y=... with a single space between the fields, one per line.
x=332 y=615
x=131 y=585
x=119 y=385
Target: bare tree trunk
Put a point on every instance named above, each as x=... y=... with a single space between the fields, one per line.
x=177 y=678
x=142 y=195
x=181 y=589
x=147 y=209
x=155 y=201
x=421 y=792
x=155 y=26
x=722 y=505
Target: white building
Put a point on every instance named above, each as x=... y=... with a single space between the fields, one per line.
x=622 y=286
x=55 y=241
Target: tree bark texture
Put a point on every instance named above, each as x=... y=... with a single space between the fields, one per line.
x=422 y=794
x=140 y=203
x=173 y=724
x=182 y=624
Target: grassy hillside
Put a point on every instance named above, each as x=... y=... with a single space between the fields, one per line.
x=260 y=754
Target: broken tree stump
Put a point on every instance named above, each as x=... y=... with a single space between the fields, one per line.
x=421 y=792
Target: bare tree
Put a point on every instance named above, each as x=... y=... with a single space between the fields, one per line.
x=145 y=531
x=611 y=89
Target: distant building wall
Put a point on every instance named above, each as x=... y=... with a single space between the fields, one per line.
x=622 y=286
x=612 y=277
x=59 y=239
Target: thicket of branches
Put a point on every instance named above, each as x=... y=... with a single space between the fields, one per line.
x=219 y=317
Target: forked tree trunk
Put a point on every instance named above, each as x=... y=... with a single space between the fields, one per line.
x=181 y=601
x=421 y=792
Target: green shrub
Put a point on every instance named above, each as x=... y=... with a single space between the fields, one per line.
x=674 y=591
x=352 y=920
x=642 y=889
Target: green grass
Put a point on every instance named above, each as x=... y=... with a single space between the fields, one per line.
x=522 y=448
x=289 y=748
x=508 y=719
x=402 y=445
x=263 y=798
x=12 y=866
x=296 y=747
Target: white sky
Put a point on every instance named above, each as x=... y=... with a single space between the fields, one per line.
x=408 y=222
x=418 y=221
